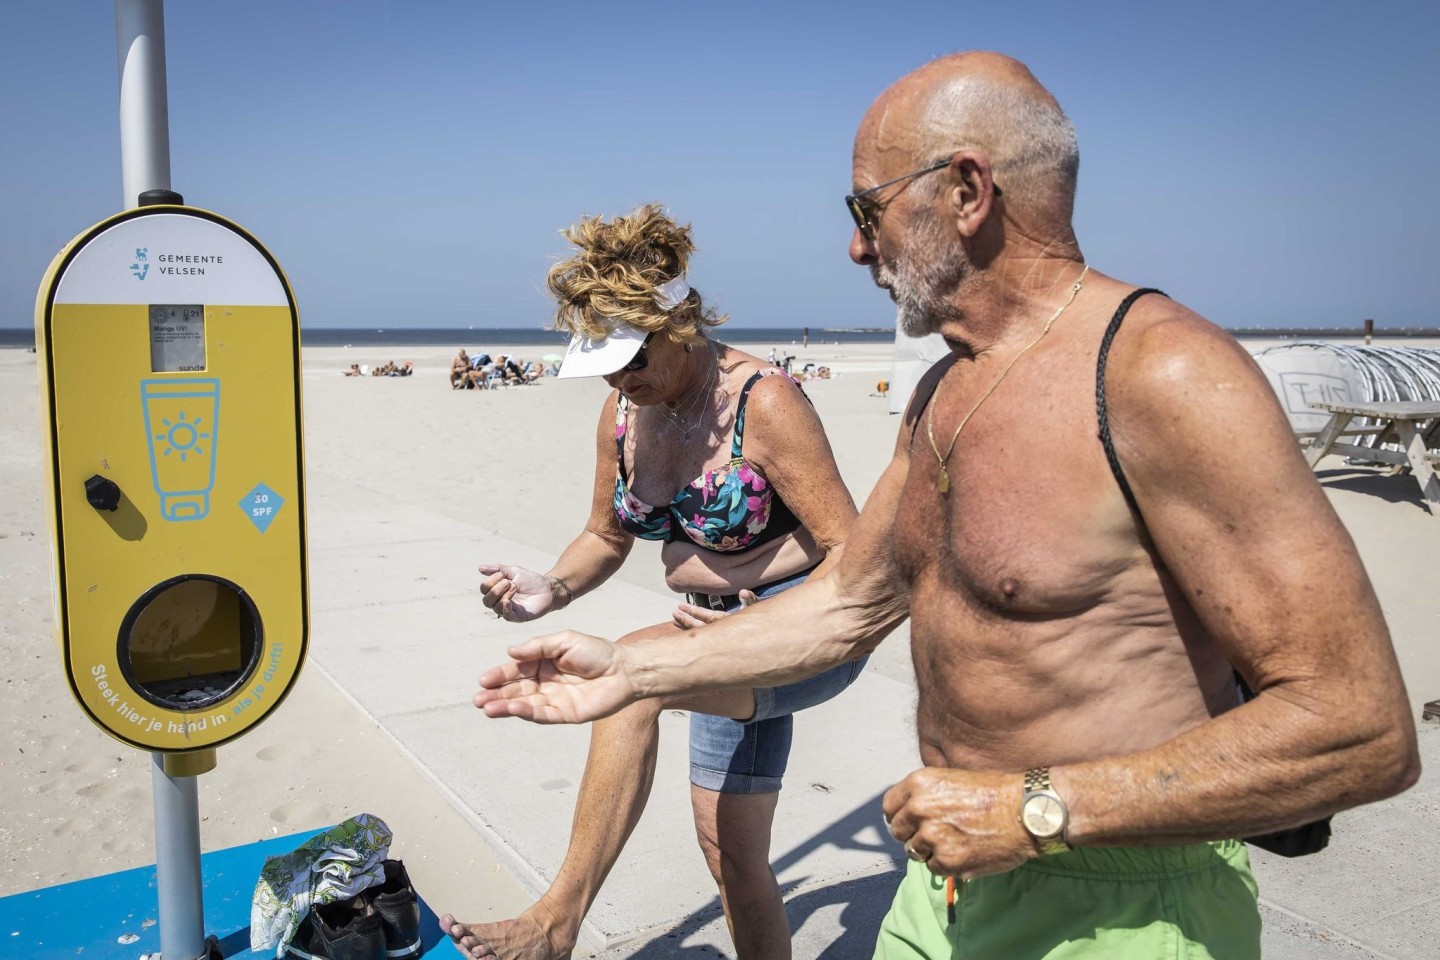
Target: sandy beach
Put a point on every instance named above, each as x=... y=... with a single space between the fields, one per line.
x=410 y=485
x=514 y=461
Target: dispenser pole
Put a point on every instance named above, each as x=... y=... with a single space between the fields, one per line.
x=177 y=864
x=144 y=112
x=145 y=166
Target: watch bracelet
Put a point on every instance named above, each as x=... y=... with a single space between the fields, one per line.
x=1038 y=779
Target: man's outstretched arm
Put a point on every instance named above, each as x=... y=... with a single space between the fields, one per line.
x=573 y=678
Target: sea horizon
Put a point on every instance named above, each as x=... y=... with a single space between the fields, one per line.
x=469 y=337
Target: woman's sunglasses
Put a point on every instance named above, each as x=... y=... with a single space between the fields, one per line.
x=641 y=360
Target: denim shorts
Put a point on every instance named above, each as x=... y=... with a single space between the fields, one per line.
x=749 y=756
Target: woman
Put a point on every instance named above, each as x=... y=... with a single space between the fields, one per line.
x=721 y=456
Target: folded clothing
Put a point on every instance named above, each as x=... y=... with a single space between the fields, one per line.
x=329 y=867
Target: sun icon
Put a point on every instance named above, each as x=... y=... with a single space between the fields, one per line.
x=183 y=437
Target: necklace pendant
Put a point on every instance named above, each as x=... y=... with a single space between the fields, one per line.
x=944 y=482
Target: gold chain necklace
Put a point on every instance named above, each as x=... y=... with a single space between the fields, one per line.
x=943 y=481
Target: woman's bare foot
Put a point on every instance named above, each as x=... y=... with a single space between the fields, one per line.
x=524 y=938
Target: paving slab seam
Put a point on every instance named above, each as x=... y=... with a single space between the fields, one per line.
x=1367 y=924
x=1329 y=931
x=350 y=547
x=428 y=598
x=531 y=879
x=809 y=886
x=601 y=933
x=380 y=718
x=698 y=921
x=519 y=868
x=593 y=938
x=334 y=480
x=471 y=530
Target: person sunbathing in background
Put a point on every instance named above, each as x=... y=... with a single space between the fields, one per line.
x=460 y=371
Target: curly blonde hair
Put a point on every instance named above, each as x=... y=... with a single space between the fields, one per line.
x=614 y=277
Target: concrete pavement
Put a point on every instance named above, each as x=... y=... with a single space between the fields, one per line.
x=397 y=626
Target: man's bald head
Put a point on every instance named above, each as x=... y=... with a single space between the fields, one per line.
x=987 y=102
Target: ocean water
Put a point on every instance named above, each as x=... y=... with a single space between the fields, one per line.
x=514 y=336
x=502 y=337
x=473 y=337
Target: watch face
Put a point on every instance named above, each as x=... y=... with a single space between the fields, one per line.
x=1044 y=816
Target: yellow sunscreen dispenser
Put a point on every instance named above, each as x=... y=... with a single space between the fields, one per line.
x=170 y=379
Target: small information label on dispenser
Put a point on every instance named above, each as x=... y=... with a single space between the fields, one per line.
x=177 y=338
x=261 y=505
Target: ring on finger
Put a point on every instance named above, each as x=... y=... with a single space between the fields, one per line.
x=916 y=855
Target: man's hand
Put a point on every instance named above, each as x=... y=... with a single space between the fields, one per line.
x=561 y=678
x=961 y=824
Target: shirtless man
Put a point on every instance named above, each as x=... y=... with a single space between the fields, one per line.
x=460 y=370
x=1073 y=648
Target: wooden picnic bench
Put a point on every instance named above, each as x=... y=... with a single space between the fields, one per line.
x=1413 y=424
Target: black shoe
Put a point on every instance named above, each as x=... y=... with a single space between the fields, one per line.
x=399 y=911
x=347 y=930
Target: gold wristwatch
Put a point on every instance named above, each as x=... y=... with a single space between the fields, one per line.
x=1042 y=813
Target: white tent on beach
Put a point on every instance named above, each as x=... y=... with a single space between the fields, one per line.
x=1300 y=373
x=913 y=356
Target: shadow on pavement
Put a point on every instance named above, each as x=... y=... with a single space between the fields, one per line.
x=1376 y=482
x=863 y=900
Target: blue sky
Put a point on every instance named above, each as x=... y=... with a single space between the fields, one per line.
x=410 y=164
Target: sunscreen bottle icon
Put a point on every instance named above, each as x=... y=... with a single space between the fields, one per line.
x=182 y=419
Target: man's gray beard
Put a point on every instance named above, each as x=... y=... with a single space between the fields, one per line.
x=920 y=279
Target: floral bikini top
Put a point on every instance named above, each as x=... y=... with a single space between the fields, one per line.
x=728 y=509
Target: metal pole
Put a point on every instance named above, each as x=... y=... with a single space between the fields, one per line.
x=145 y=165
x=144 y=113
x=177 y=864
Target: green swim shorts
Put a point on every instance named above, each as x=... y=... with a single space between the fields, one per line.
x=1120 y=903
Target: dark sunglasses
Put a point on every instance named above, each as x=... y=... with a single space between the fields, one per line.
x=866 y=212
x=641 y=360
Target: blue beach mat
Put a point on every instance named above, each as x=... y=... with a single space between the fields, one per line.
x=114 y=917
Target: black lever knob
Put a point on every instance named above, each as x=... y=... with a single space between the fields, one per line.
x=103 y=494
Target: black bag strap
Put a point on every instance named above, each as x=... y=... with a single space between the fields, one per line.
x=1298 y=841
x=919 y=403
x=1101 y=412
